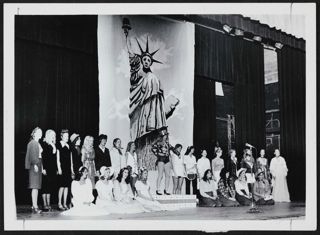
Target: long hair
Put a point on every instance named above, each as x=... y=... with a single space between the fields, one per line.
x=79 y=173
x=189 y=150
x=49 y=137
x=129 y=146
x=114 y=145
x=205 y=177
x=120 y=175
x=223 y=176
x=141 y=171
x=88 y=144
x=73 y=143
x=33 y=133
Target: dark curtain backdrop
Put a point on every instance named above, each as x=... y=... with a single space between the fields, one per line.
x=292 y=82
x=239 y=63
x=204 y=128
x=56 y=81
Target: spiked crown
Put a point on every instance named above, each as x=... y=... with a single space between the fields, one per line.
x=147 y=53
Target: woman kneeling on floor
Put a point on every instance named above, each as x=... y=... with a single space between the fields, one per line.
x=208 y=191
x=243 y=195
x=262 y=190
x=226 y=190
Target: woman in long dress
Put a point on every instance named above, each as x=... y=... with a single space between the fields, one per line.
x=88 y=156
x=81 y=189
x=123 y=194
x=177 y=169
x=33 y=163
x=217 y=164
x=49 y=156
x=118 y=160
x=279 y=170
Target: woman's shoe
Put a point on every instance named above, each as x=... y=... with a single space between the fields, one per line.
x=45 y=208
x=166 y=193
x=36 y=210
x=158 y=193
x=60 y=207
x=65 y=207
x=49 y=208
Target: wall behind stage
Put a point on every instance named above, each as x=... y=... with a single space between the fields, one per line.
x=175 y=41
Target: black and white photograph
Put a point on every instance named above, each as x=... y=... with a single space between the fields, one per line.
x=160 y=116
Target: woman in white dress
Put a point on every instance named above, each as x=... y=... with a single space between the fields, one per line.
x=123 y=194
x=144 y=195
x=217 y=164
x=177 y=169
x=279 y=170
x=203 y=164
x=104 y=187
x=81 y=189
x=132 y=161
x=118 y=160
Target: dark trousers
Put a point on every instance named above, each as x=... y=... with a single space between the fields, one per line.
x=243 y=201
x=261 y=201
x=227 y=202
x=194 y=186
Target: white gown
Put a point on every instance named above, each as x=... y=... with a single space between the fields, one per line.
x=149 y=205
x=82 y=193
x=279 y=170
x=105 y=199
x=124 y=197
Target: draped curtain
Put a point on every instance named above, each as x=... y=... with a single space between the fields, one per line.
x=292 y=84
x=56 y=81
x=239 y=63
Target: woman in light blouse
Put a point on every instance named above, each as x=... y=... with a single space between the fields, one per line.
x=208 y=191
x=243 y=196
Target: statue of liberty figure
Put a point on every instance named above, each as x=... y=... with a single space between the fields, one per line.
x=148 y=113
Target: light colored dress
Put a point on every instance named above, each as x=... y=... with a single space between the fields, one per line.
x=279 y=170
x=125 y=199
x=132 y=160
x=203 y=164
x=217 y=165
x=105 y=197
x=177 y=165
x=82 y=193
x=88 y=162
x=144 y=188
x=118 y=161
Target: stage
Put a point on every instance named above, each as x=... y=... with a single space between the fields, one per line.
x=292 y=210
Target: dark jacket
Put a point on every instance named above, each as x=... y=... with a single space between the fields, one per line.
x=102 y=158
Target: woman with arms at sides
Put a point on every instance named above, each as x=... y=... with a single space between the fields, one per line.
x=226 y=190
x=123 y=194
x=144 y=195
x=243 y=196
x=177 y=168
x=33 y=163
x=208 y=191
x=217 y=164
x=232 y=165
x=118 y=160
x=203 y=163
x=190 y=164
x=81 y=189
x=262 y=190
x=262 y=163
x=49 y=156
x=76 y=151
x=65 y=169
x=279 y=171
x=88 y=156
x=132 y=161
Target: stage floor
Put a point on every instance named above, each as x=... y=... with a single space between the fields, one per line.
x=293 y=210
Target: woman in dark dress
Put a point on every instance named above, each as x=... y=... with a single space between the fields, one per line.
x=65 y=170
x=75 y=151
x=49 y=159
x=33 y=163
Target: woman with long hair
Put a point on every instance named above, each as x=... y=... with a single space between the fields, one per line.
x=123 y=193
x=217 y=164
x=177 y=168
x=118 y=160
x=161 y=149
x=65 y=170
x=226 y=190
x=49 y=156
x=88 y=156
x=243 y=196
x=82 y=198
x=208 y=191
x=190 y=164
x=132 y=161
x=33 y=163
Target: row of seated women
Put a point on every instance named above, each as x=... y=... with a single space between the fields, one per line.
x=114 y=195
x=234 y=192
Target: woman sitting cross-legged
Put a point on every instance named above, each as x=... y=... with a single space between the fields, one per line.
x=208 y=191
x=123 y=194
x=144 y=195
x=243 y=196
x=81 y=189
x=104 y=188
x=262 y=190
x=226 y=190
